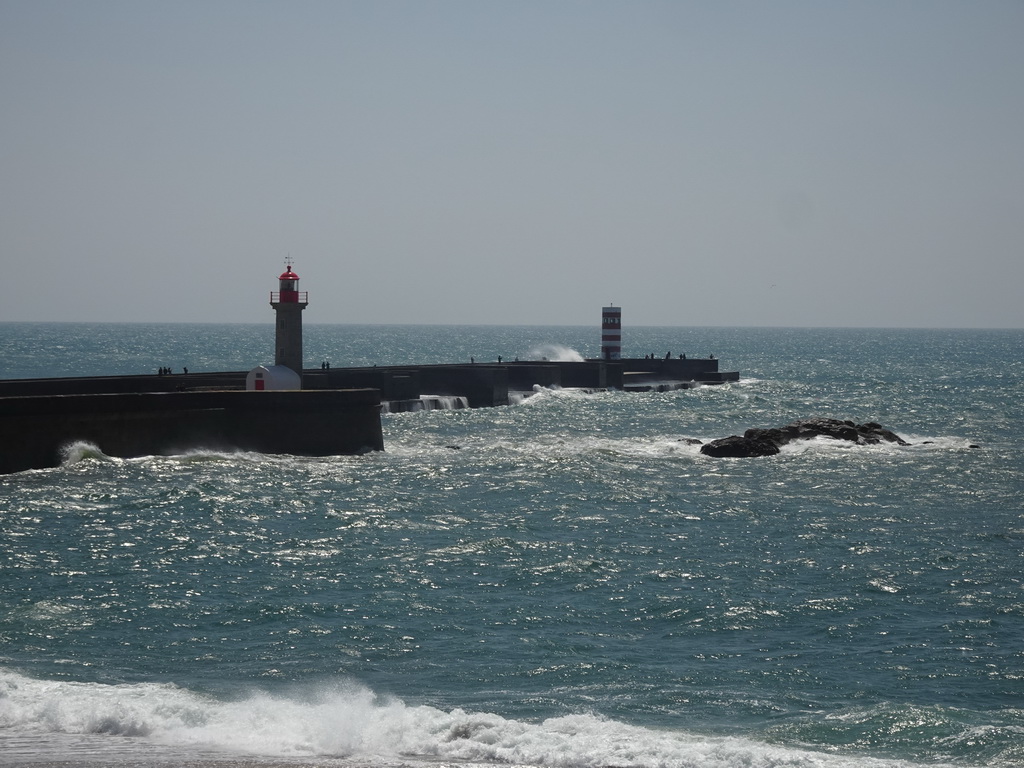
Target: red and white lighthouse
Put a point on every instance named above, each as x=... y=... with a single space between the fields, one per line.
x=288 y=302
x=611 y=333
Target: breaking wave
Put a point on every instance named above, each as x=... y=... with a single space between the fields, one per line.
x=347 y=720
x=80 y=450
x=556 y=353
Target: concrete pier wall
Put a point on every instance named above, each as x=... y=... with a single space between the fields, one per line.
x=482 y=385
x=523 y=377
x=393 y=383
x=106 y=385
x=592 y=374
x=39 y=429
x=338 y=411
x=702 y=370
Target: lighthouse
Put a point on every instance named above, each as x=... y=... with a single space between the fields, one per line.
x=611 y=333
x=288 y=302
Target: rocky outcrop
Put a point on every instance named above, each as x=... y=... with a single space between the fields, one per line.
x=768 y=442
x=736 y=447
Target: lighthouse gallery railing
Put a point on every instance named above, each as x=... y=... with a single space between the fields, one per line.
x=300 y=297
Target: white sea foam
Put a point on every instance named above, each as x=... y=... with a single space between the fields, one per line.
x=647 y=448
x=72 y=453
x=822 y=444
x=443 y=402
x=665 y=447
x=938 y=443
x=82 y=450
x=542 y=395
x=347 y=720
x=556 y=353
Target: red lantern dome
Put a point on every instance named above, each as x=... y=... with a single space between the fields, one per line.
x=289 y=286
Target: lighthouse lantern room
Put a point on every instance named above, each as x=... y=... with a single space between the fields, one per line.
x=288 y=302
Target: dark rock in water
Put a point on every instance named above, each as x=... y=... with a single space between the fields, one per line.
x=736 y=447
x=870 y=433
x=690 y=441
x=767 y=442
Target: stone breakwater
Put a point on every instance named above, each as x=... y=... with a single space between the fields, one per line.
x=768 y=442
x=336 y=412
x=39 y=430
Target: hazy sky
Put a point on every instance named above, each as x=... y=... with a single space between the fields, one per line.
x=815 y=163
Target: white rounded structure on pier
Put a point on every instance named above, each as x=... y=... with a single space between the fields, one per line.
x=272 y=378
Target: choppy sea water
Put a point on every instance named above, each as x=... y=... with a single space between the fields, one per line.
x=563 y=583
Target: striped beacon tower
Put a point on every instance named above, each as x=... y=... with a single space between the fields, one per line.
x=611 y=333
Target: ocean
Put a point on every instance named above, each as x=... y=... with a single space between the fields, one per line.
x=562 y=583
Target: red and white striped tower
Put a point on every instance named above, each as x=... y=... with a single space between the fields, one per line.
x=611 y=333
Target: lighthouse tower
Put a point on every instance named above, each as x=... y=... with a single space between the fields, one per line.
x=611 y=333
x=288 y=303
